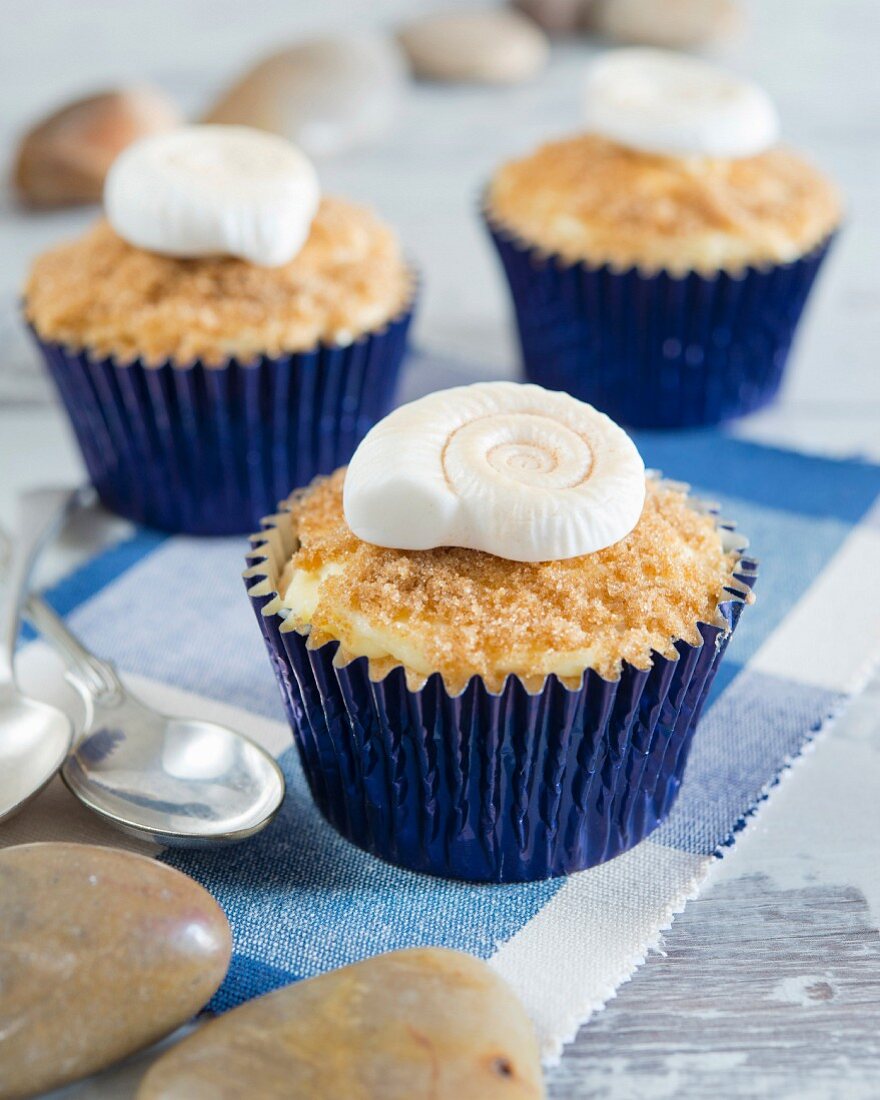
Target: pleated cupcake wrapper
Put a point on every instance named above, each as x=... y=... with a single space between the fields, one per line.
x=209 y=450
x=505 y=787
x=655 y=350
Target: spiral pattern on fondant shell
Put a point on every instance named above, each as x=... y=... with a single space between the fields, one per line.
x=508 y=469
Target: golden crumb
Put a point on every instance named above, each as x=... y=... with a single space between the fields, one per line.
x=101 y=293
x=587 y=198
x=463 y=613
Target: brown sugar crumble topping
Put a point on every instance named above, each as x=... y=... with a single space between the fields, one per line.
x=463 y=612
x=587 y=198
x=101 y=293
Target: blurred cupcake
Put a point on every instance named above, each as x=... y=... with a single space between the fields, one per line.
x=226 y=333
x=494 y=634
x=659 y=261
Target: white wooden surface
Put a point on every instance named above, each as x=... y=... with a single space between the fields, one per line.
x=770 y=984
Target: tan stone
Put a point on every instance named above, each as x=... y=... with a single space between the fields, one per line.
x=425 y=1022
x=101 y=953
x=64 y=158
x=325 y=95
x=673 y=24
x=486 y=47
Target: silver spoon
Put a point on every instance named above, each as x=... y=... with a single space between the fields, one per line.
x=176 y=781
x=34 y=737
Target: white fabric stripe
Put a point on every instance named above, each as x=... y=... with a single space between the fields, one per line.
x=831 y=637
x=563 y=970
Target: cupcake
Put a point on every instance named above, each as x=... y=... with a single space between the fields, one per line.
x=494 y=634
x=224 y=333
x=660 y=260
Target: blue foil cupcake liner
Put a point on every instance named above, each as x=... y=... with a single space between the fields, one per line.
x=209 y=450
x=507 y=787
x=655 y=350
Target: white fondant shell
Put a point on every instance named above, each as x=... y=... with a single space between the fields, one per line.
x=214 y=191
x=661 y=102
x=512 y=470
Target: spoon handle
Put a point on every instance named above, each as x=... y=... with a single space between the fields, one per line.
x=41 y=514
x=95 y=676
x=98 y=678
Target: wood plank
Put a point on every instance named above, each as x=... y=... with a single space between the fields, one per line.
x=761 y=992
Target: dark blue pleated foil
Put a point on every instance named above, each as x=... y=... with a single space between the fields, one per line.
x=509 y=787
x=210 y=450
x=656 y=351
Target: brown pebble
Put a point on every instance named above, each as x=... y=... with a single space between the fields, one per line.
x=426 y=1022
x=64 y=158
x=102 y=952
x=557 y=17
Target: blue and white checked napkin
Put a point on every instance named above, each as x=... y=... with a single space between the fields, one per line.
x=173 y=613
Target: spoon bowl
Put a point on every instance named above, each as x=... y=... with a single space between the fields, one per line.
x=34 y=739
x=180 y=782
x=175 y=781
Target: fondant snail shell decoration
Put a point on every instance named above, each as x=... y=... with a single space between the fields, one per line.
x=214 y=191
x=513 y=470
x=657 y=101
